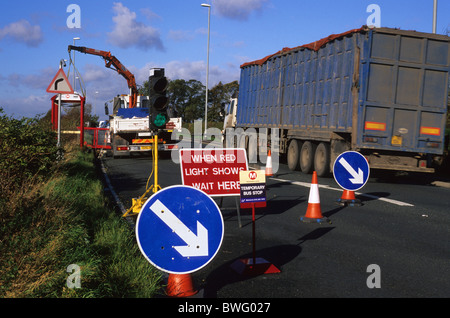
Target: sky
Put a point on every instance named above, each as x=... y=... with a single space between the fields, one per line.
x=172 y=34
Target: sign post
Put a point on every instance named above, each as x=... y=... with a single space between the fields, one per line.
x=60 y=85
x=253 y=194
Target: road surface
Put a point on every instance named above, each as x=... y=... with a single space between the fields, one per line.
x=397 y=244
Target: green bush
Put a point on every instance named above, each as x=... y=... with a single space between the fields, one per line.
x=27 y=150
x=54 y=214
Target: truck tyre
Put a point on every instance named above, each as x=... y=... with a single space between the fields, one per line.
x=322 y=159
x=307 y=157
x=293 y=155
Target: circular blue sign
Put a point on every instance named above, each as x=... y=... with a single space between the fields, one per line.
x=179 y=229
x=351 y=170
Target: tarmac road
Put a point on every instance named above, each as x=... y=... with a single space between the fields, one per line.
x=402 y=230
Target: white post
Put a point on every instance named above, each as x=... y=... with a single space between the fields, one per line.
x=434 y=16
x=207 y=65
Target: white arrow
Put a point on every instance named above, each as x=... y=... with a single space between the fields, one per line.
x=358 y=177
x=197 y=245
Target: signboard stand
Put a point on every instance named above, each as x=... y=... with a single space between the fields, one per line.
x=348 y=198
x=351 y=172
x=238 y=208
x=179 y=231
x=253 y=194
x=60 y=85
x=155 y=187
x=61 y=100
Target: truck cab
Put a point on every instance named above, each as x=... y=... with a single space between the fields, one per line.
x=230 y=114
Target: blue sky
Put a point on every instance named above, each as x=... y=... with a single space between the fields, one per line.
x=143 y=34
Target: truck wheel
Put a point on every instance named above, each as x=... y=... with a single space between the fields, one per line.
x=307 y=157
x=293 y=155
x=322 y=159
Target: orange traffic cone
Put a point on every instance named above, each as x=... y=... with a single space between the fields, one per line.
x=348 y=198
x=180 y=285
x=314 y=212
x=269 y=172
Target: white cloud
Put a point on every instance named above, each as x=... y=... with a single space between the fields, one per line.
x=39 y=80
x=94 y=73
x=188 y=70
x=128 y=32
x=149 y=14
x=180 y=35
x=185 y=70
x=22 y=31
x=237 y=9
x=29 y=106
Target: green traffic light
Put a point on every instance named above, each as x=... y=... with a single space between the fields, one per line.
x=160 y=120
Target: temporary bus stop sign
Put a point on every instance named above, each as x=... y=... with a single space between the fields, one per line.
x=179 y=229
x=351 y=170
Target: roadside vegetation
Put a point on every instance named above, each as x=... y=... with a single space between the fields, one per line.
x=53 y=213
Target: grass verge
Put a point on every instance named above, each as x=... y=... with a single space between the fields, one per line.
x=50 y=225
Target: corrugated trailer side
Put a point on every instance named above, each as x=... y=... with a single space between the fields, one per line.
x=379 y=91
x=301 y=88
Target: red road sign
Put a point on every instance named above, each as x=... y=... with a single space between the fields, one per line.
x=213 y=170
x=60 y=84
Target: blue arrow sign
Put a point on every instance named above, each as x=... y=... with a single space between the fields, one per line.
x=351 y=170
x=179 y=229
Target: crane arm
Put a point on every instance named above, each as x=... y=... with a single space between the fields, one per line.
x=113 y=63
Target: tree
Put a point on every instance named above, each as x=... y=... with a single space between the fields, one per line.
x=218 y=96
x=188 y=98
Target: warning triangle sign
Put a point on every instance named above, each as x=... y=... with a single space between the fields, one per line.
x=60 y=84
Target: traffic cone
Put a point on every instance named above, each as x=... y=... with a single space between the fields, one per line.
x=269 y=172
x=348 y=198
x=180 y=285
x=314 y=212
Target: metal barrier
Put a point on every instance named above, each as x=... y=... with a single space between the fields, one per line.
x=97 y=138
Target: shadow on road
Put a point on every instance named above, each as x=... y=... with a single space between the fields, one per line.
x=225 y=275
x=279 y=256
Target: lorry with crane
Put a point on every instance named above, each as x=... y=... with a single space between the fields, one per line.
x=131 y=126
x=380 y=91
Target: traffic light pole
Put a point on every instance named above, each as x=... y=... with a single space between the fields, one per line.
x=158 y=119
x=156 y=186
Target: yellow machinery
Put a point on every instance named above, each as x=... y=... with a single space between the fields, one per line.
x=137 y=204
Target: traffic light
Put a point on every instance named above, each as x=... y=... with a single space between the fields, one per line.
x=158 y=99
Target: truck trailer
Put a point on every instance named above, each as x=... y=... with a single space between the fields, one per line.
x=380 y=91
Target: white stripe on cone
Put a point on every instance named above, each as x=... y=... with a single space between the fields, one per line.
x=314 y=194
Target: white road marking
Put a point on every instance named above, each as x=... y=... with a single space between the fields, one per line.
x=307 y=185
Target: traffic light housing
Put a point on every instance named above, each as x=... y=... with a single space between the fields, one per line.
x=158 y=99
